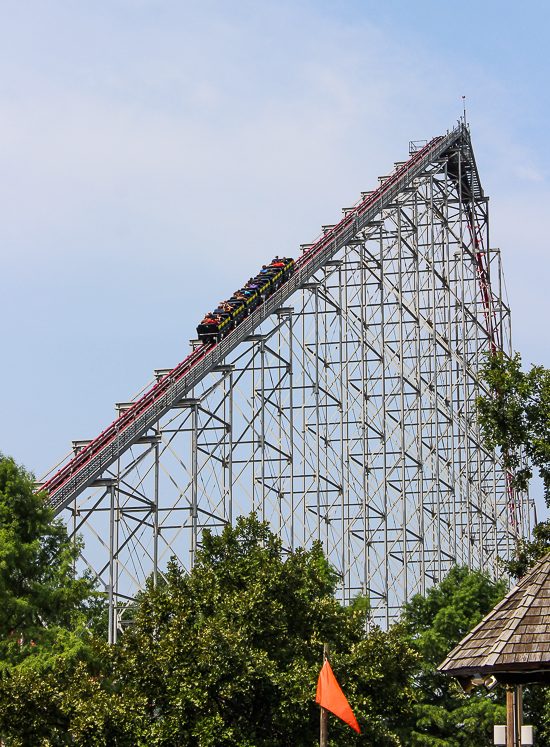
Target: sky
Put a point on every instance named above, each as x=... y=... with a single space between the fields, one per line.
x=152 y=152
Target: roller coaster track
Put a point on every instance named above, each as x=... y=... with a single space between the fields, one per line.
x=89 y=464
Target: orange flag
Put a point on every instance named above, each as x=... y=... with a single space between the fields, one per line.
x=331 y=697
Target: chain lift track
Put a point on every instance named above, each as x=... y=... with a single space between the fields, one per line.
x=347 y=417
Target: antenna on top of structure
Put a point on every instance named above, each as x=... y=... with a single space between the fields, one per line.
x=464 y=105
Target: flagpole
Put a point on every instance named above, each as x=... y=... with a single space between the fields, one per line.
x=323 y=741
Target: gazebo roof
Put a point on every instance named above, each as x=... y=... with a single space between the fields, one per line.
x=513 y=641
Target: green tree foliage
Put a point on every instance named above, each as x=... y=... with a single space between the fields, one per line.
x=228 y=654
x=444 y=715
x=515 y=417
x=67 y=705
x=45 y=608
x=527 y=552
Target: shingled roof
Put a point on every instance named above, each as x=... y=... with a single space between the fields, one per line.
x=513 y=641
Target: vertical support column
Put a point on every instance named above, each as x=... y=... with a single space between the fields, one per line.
x=156 y=509
x=510 y=717
x=253 y=398
x=436 y=437
x=519 y=713
x=317 y=419
x=229 y=460
x=282 y=462
x=115 y=546
x=302 y=396
x=262 y=426
x=111 y=613
x=402 y=449
x=365 y=513
x=291 y=421
x=385 y=362
x=194 y=480
x=74 y=510
x=420 y=498
x=343 y=357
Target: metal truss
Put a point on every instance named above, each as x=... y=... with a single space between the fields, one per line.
x=347 y=416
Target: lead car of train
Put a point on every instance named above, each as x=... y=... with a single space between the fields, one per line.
x=229 y=314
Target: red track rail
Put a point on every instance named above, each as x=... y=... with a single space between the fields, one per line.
x=123 y=421
x=349 y=219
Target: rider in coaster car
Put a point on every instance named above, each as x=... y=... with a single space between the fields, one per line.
x=278 y=262
x=208 y=319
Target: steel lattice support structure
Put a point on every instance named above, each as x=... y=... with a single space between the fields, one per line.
x=346 y=416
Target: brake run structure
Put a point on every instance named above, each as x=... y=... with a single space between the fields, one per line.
x=342 y=409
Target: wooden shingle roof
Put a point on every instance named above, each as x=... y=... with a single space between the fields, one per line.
x=513 y=638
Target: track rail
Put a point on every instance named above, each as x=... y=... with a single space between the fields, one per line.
x=81 y=471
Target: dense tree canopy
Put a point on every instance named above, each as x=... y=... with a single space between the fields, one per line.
x=45 y=608
x=230 y=654
x=515 y=417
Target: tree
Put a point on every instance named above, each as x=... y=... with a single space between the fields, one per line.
x=515 y=417
x=67 y=705
x=46 y=608
x=228 y=654
x=528 y=551
x=444 y=715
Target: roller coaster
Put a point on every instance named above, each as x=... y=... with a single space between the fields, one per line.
x=347 y=416
x=219 y=323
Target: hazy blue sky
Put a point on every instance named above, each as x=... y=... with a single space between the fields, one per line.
x=153 y=152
